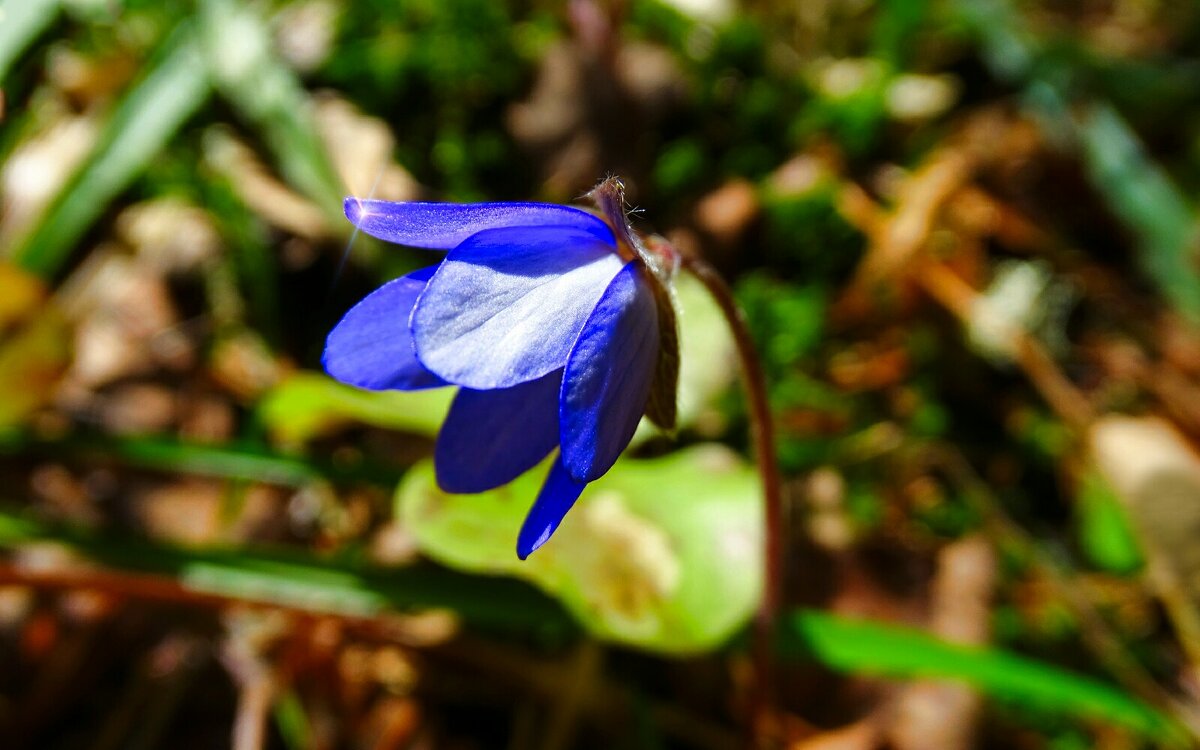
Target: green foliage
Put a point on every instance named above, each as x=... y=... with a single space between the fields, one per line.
x=1104 y=531
x=893 y=651
x=307 y=404
x=896 y=25
x=807 y=237
x=302 y=581
x=1136 y=189
x=853 y=117
x=238 y=50
x=23 y=21
x=141 y=124
x=680 y=165
x=659 y=554
x=445 y=67
x=1141 y=194
x=787 y=321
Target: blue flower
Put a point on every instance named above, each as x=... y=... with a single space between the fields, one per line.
x=554 y=323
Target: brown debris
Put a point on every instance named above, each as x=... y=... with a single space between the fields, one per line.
x=727 y=212
x=944 y=714
x=593 y=104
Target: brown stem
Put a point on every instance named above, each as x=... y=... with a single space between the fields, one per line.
x=763 y=433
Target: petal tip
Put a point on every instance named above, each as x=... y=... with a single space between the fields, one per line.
x=353 y=208
x=558 y=494
x=527 y=545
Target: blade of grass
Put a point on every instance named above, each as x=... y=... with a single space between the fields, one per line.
x=292 y=721
x=245 y=463
x=143 y=121
x=1142 y=196
x=20 y=23
x=886 y=650
x=1137 y=190
x=298 y=581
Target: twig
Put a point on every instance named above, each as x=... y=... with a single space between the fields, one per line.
x=957 y=296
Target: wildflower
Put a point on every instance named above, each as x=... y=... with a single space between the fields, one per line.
x=555 y=324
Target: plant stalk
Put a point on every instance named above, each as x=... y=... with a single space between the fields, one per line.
x=763 y=435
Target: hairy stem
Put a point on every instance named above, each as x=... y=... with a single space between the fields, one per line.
x=763 y=433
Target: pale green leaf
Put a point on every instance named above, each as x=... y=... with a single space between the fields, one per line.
x=308 y=404
x=663 y=554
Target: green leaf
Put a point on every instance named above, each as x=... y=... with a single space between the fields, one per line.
x=1141 y=194
x=661 y=554
x=308 y=404
x=872 y=648
x=1104 y=531
x=20 y=23
x=292 y=721
x=143 y=122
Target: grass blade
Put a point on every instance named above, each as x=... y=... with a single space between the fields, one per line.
x=1137 y=190
x=300 y=581
x=146 y=118
x=1141 y=194
x=20 y=23
x=233 y=462
x=886 y=650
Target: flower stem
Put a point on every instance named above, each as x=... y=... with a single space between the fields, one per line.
x=763 y=434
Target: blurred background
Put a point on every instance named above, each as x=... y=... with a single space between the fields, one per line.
x=964 y=233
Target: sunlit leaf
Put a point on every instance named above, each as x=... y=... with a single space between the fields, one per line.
x=662 y=554
x=309 y=404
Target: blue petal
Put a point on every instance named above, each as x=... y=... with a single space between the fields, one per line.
x=444 y=225
x=490 y=438
x=608 y=376
x=506 y=305
x=372 y=346
x=558 y=494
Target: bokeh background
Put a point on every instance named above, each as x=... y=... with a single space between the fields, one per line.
x=964 y=234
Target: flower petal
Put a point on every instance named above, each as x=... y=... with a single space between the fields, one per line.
x=608 y=376
x=372 y=347
x=490 y=438
x=506 y=305
x=444 y=225
x=558 y=494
